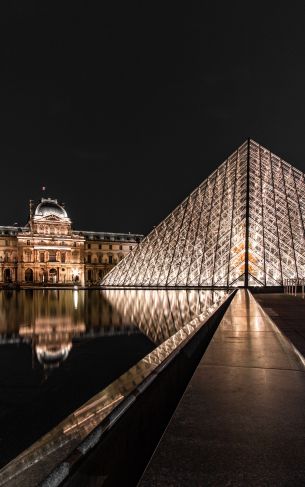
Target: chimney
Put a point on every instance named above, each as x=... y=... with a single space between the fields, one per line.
x=31 y=208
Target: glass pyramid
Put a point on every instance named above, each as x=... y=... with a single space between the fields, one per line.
x=243 y=226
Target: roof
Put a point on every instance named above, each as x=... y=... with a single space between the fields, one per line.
x=13 y=230
x=91 y=235
x=49 y=206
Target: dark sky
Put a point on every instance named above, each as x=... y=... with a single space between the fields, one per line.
x=121 y=108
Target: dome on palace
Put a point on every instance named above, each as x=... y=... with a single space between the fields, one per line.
x=48 y=206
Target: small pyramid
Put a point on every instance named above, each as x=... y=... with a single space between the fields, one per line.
x=242 y=226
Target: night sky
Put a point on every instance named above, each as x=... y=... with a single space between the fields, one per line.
x=122 y=108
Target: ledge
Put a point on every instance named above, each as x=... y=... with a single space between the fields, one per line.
x=57 y=453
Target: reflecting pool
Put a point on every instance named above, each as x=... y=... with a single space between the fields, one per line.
x=60 y=347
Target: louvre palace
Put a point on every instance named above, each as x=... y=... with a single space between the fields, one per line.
x=47 y=250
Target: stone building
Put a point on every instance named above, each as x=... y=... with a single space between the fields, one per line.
x=48 y=251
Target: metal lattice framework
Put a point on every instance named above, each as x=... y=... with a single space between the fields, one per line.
x=243 y=226
x=161 y=313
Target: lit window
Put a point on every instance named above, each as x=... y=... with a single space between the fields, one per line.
x=52 y=256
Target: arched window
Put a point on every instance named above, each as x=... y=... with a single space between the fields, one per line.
x=53 y=275
x=29 y=276
x=7 y=275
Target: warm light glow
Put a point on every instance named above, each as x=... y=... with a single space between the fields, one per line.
x=52 y=337
x=75 y=297
x=161 y=313
x=250 y=208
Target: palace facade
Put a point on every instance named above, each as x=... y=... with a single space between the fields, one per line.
x=48 y=250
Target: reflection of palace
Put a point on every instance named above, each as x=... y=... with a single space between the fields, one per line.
x=46 y=319
x=47 y=250
x=52 y=338
x=50 y=319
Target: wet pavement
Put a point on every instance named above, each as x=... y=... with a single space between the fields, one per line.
x=241 y=420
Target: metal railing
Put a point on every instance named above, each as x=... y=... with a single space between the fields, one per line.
x=291 y=286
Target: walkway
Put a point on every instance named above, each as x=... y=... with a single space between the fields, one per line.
x=241 y=421
x=288 y=313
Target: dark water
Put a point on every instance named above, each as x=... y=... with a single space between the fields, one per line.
x=59 y=347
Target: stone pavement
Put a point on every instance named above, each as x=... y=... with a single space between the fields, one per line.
x=241 y=421
x=288 y=313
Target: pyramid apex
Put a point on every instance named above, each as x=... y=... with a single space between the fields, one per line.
x=242 y=226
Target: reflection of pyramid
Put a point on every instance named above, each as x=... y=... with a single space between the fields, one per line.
x=244 y=225
x=161 y=313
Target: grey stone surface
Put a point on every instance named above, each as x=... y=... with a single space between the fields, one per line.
x=288 y=314
x=57 y=476
x=241 y=420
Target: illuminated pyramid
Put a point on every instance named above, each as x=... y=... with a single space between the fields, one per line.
x=243 y=226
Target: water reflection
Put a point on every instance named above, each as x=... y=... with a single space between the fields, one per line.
x=50 y=321
x=161 y=313
x=89 y=351
x=52 y=338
